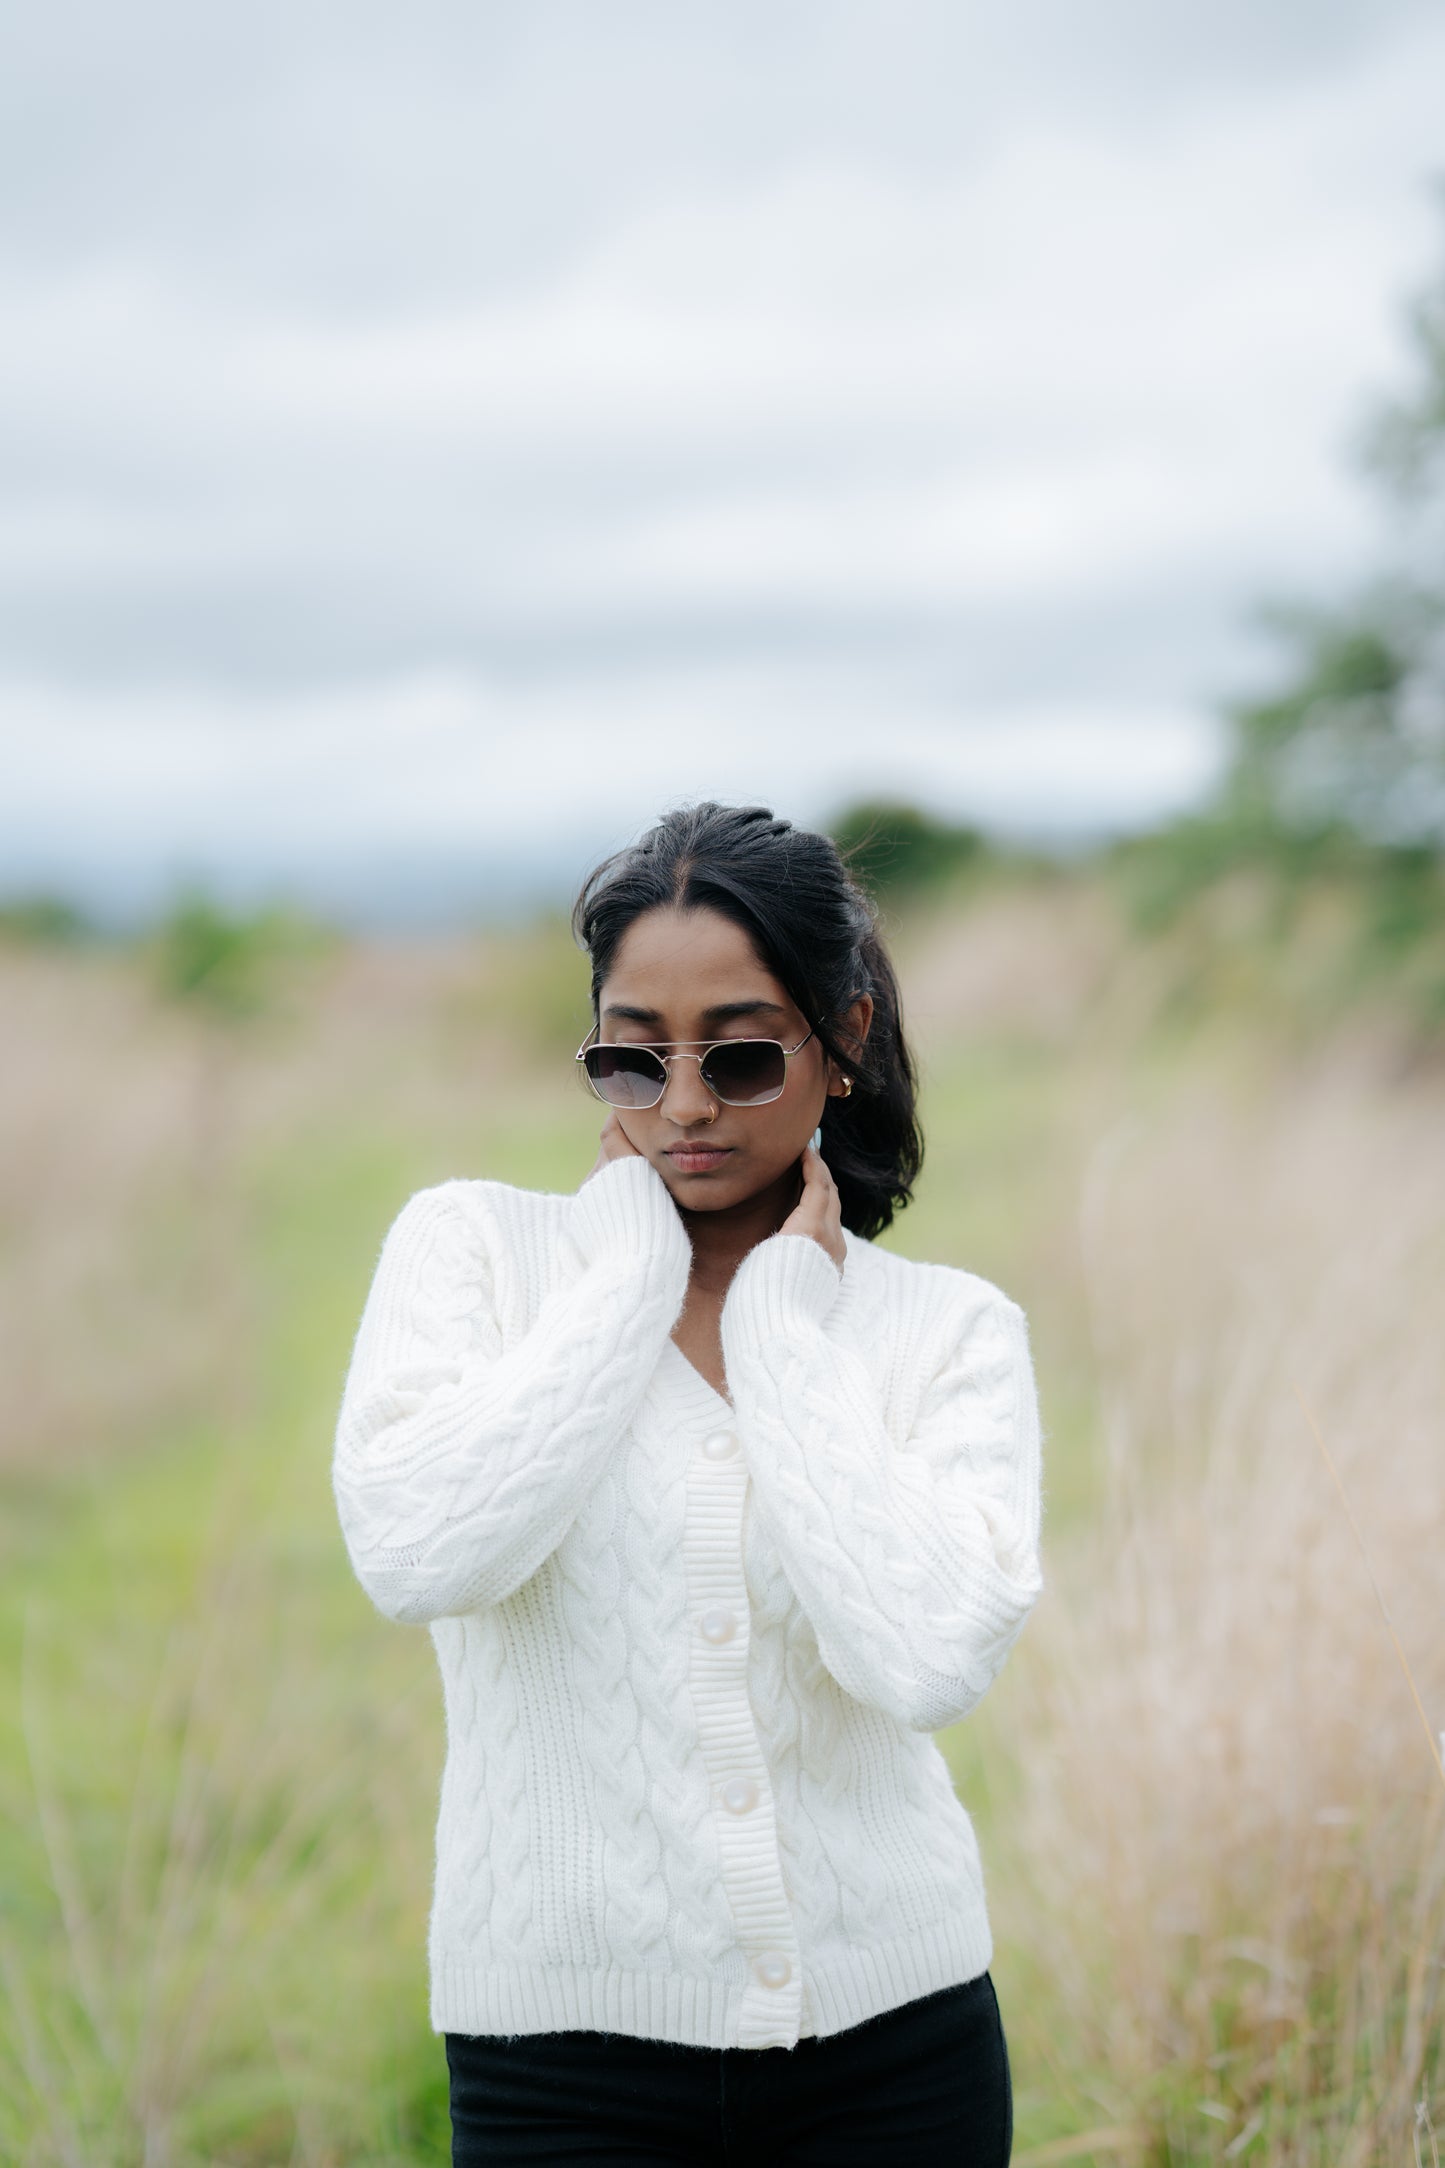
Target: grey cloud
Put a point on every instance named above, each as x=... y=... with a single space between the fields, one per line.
x=264 y=632
x=360 y=154
x=577 y=350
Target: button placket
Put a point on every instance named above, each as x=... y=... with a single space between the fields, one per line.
x=743 y=1810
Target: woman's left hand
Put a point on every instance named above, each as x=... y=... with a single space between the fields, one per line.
x=818 y=1212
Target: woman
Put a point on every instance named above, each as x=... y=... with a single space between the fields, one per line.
x=716 y=1513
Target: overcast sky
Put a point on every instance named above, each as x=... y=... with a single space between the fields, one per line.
x=434 y=438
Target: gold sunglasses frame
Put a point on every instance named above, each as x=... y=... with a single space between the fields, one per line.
x=708 y=1046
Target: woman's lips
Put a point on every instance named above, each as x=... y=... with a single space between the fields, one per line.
x=698 y=1158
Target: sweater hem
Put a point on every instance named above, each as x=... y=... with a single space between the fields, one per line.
x=694 y=2010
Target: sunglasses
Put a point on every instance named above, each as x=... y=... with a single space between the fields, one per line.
x=739 y=1072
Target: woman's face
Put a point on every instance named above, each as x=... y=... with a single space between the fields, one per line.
x=692 y=975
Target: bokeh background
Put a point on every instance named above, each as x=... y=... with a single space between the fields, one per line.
x=1012 y=440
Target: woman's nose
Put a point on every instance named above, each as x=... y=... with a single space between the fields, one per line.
x=685 y=1097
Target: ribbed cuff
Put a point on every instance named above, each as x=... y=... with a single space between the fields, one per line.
x=786 y=1281
x=625 y=1209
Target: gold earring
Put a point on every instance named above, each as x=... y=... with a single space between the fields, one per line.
x=847 y=1086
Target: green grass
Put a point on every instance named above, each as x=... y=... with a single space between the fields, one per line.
x=200 y=1688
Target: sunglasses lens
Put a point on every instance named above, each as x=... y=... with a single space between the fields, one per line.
x=626 y=1076
x=746 y=1072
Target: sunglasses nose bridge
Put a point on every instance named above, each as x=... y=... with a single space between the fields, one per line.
x=667 y=1061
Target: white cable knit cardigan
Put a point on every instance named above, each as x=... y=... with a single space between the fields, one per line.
x=691 y=1649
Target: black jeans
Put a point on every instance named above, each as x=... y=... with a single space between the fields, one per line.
x=927 y=2083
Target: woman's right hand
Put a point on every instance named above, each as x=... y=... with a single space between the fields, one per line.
x=614 y=1143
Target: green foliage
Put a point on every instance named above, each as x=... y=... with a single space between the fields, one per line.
x=1306 y=921
x=226 y=965
x=1407 y=900
x=893 y=849
x=1335 y=786
x=1161 y=874
x=1354 y=736
x=1405 y=441
x=45 y=922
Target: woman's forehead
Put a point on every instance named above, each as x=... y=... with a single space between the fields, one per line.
x=677 y=951
x=696 y=967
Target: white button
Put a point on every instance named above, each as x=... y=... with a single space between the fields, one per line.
x=720 y=1446
x=739 y=1793
x=718 y=1625
x=774 y=1971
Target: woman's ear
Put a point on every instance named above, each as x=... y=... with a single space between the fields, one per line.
x=856 y=1022
x=861 y=1018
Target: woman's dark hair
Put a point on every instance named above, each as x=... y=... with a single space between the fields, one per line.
x=817 y=931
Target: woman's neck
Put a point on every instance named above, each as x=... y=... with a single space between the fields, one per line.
x=721 y=1240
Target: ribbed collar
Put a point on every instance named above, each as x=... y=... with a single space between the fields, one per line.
x=685 y=1384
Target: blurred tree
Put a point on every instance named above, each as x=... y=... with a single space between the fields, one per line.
x=210 y=962
x=894 y=849
x=45 y=921
x=1338 y=773
x=231 y=968
x=1354 y=738
x=227 y=972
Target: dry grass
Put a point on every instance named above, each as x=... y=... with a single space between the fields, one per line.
x=95 y=1104
x=130 y=1135
x=1228 y=1860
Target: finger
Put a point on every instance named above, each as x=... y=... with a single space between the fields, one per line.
x=816 y=1168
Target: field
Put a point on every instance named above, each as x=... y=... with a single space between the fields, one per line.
x=1208 y=1785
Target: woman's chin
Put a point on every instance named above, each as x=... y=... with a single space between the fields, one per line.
x=722 y=1189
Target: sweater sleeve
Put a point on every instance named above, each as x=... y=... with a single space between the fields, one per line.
x=915 y=1562
x=458 y=1468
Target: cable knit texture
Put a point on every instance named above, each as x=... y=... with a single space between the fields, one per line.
x=692 y=1649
